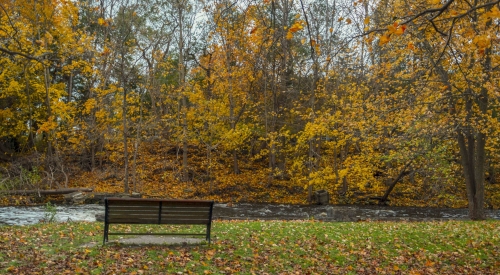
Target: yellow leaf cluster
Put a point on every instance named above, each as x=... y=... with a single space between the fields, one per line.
x=89 y=105
x=297 y=26
x=494 y=13
x=102 y=22
x=384 y=39
x=48 y=126
x=396 y=29
x=482 y=41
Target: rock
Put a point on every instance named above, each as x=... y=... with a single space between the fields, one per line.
x=322 y=197
x=99 y=217
x=136 y=195
x=329 y=212
x=75 y=198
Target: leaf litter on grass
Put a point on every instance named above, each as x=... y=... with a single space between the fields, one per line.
x=262 y=247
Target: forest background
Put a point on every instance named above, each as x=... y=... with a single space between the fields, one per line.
x=385 y=101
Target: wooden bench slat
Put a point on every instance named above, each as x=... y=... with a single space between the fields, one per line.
x=150 y=221
x=133 y=221
x=133 y=215
x=164 y=209
x=116 y=216
x=165 y=203
x=187 y=215
x=142 y=212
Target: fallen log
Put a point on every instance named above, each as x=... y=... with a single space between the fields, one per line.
x=60 y=191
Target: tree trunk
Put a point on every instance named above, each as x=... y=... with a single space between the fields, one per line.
x=136 y=145
x=31 y=139
x=383 y=200
x=472 y=142
x=48 y=157
x=185 y=172
x=472 y=158
x=125 y=142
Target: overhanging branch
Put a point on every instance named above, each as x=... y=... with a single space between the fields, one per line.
x=27 y=56
x=439 y=11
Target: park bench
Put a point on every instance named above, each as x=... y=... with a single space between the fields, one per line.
x=157 y=211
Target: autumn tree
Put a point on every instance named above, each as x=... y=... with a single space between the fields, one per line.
x=456 y=42
x=38 y=46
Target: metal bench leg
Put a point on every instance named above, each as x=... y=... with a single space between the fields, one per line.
x=106 y=228
x=208 y=232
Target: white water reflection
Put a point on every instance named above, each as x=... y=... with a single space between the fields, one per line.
x=30 y=215
x=23 y=215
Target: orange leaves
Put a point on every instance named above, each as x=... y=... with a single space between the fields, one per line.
x=411 y=46
x=395 y=28
x=297 y=26
x=48 y=125
x=494 y=13
x=210 y=254
x=400 y=30
x=482 y=42
x=384 y=39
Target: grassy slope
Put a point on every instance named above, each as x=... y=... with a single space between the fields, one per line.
x=298 y=247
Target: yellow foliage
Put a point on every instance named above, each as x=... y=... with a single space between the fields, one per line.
x=297 y=26
x=494 y=13
x=101 y=21
x=48 y=125
x=89 y=105
x=384 y=39
x=482 y=41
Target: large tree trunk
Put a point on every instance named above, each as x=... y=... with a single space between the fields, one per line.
x=472 y=158
x=472 y=142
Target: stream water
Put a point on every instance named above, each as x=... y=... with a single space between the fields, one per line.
x=17 y=215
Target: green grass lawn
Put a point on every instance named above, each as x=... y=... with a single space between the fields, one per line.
x=258 y=247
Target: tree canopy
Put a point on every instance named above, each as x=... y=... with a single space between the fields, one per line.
x=375 y=101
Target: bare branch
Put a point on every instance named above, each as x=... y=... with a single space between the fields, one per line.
x=39 y=58
x=439 y=11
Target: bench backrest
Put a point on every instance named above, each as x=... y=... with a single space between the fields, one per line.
x=157 y=211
